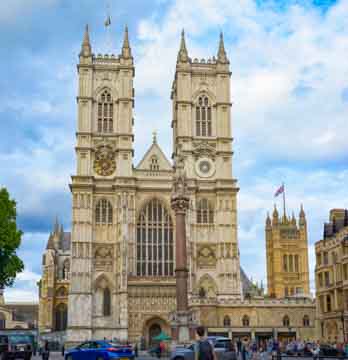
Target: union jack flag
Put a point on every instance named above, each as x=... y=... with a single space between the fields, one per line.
x=279 y=191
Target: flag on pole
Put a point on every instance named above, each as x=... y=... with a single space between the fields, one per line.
x=279 y=191
x=107 y=21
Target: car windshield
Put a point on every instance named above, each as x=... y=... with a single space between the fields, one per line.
x=19 y=339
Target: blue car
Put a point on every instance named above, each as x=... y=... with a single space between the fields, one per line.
x=100 y=350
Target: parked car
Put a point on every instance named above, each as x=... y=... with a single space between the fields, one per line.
x=15 y=346
x=327 y=350
x=222 y=345
x=100 y=350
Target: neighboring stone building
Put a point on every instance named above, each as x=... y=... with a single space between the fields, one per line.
x=287 y=255
x=331 y=274
x=120 y=279
x=17 y=316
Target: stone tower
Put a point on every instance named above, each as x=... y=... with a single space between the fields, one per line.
x=202 y=139
x=287 y=255
x=104 y=153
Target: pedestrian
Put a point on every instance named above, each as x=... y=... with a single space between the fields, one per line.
x=63 y=350
x=204 y=350
x=239 y=346
x=136 y=350
x=45 y=351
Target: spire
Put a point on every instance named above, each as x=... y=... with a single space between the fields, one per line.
x=268 y=221
x=56 y=225
x=50 y=244
x=126 y=50
x=302 y=220
x=183 y=55
x=293 y=219
x=221 y=56
x=275 y=215
x=86 y=49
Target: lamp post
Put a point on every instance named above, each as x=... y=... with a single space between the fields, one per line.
x=343 y=328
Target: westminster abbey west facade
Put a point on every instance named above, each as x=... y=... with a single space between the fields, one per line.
x=113 y=276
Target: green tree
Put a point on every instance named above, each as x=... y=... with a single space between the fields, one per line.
x=10 y=239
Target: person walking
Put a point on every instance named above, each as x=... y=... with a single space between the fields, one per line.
x=204 y=349
x=45 y=351
x=136 y=350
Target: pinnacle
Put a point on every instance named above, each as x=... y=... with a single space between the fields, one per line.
x=183 y=55
x=221 y=56
x=126 y=50
x=86 y=49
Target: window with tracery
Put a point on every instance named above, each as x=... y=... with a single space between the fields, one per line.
x=306 y=322
x=61 y=317
x=154 y=166
x=205 y=212
x=203 y=117
x=286 y=321
x=106 y=302
x=105 y=113
x=103 y=212
x=227 y=321
x=155 y=247
x=246 y=321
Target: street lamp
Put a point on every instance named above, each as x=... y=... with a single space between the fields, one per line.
x=343 y=329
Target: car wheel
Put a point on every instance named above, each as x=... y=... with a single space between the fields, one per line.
x=69 y=357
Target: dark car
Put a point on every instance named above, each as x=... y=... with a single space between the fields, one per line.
x=14 y=346
x=327 y=350
x=100 y=350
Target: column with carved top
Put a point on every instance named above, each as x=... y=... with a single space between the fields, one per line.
x=182 y=318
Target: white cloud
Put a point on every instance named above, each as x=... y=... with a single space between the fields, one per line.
x=12 y=11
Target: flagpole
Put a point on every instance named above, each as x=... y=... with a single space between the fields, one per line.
x=284 y=201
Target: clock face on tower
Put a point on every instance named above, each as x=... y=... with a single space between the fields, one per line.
x=104 y=161
x=205 y=167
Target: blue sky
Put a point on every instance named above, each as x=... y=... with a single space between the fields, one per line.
x=289 y=92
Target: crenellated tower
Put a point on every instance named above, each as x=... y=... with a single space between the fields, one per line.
x=287 y=255
x=202 y=138
x=104 y=153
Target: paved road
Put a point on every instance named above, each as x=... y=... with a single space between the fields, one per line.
x=58 y=356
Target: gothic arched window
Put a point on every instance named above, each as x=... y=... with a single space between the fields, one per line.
x=296 y=263
x=2 y=321
x=306 y=321
x=61 y=292
x=227 y=321
x=155 y=247
x=106 y=302
x=291 y=264
x=286 y=321
x=203 y=117
x=285 y=263
x=154 y=166
x=66 y=269
x=246 y=321
x=103 y=212
x=61 y=317
x=328 y=303
x=205 y=212
x=105 y=113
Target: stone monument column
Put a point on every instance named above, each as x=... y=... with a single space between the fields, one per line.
x=182 y=318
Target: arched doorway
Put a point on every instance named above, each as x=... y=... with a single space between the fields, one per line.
x=154 y=330
x=154 y=327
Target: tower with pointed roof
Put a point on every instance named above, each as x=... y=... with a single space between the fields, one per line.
x=287 y=255
x=202 y=137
